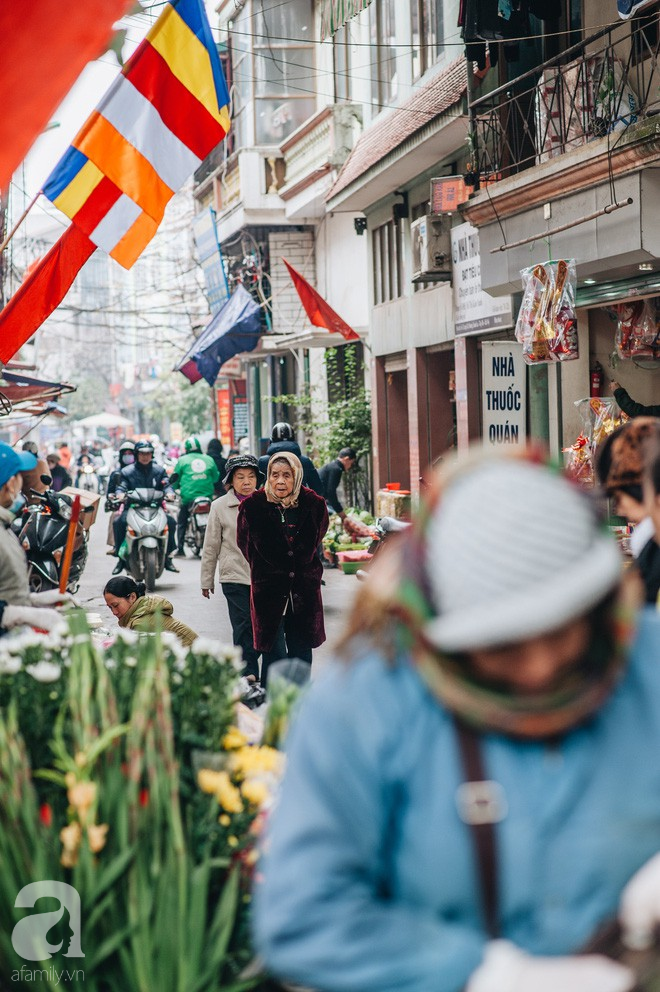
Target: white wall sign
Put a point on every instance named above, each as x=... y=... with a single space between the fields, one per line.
x=474 y=310
x=504 y=396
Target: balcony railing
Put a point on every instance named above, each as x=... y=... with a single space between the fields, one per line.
x=596 y=88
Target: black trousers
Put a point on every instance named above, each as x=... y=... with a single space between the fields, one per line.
x=289 y=643
x=181 y=524
x=237 y=595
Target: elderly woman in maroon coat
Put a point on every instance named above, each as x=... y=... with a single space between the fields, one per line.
x=279 y=530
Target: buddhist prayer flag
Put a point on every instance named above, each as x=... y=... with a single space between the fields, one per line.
x=164 y=113
x=319 y=312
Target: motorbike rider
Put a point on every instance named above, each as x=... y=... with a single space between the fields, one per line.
x=32 y=479
x=144 y=474
x=126 y=457
x=18 y=606
x=87 y=478
x=282 y=438
x=197 y=476
x=57 y=472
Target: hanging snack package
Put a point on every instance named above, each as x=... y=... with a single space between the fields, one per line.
x=638 y=331
x=600 y=415
x=547 y=324
x=579 y=462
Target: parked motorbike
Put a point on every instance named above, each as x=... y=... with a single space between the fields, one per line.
x=146 y=534
x=386 y=528
x=42 y=530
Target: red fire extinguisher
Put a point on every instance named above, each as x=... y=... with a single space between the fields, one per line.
x=596 y=378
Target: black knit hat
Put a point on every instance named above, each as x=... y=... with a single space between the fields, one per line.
x=241 y=461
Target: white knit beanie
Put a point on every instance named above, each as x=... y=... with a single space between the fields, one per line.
x=513 y=551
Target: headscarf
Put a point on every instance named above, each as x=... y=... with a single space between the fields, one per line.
x=396 y=606
x=296 y=468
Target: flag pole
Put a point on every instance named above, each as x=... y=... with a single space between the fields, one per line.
x=19 y=222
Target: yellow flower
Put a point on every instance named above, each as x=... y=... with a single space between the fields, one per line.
x=228 y=795
x=96 y=834
x=224 y=820
x=233 y=739
x=70 y=836
x=80 y=759
x=70 y=779
x=251 y=760
x=81 y=796
x=208 y=780
x=232 y=841
x=255 y=792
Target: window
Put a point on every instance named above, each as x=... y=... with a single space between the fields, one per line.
x=427 y=33
x=341 y=64
x=241 y=59
x=272 y=70
x=283 y=67
x=387 y=262
x=382 y=25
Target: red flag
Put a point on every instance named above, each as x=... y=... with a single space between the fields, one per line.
x=319 y=312
x=43 y=290
x=45 y=46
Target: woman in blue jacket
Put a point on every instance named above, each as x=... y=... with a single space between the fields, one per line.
x=475 y=788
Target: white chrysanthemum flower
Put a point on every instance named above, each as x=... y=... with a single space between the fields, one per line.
x=130 y=661
x=44 y=671
x=9 y=664
x=128 y=636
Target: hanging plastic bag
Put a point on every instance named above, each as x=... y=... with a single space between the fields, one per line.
x=547 y=324
x=638 y=331
x=600 y=416
x=579 y=462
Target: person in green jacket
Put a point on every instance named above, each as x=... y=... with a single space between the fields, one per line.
x=630 y=406
x=127 y=601
x=196 y=475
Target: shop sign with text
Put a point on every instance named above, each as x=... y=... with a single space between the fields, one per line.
x=504 y=397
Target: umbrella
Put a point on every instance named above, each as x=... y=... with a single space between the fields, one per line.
x=108 y=420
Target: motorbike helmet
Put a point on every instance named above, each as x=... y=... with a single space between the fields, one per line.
x=192 y=444
x=281 y=432
x=144 y=446
x=126 y=453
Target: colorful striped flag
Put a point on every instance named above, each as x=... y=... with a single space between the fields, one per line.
x=166 y=111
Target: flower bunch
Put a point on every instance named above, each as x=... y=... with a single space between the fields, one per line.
x=101 y=791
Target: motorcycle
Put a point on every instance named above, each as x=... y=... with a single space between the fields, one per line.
x=385 y=529
x=88 y=479
x=146 y=534
x=198 y=518
x=42 y=530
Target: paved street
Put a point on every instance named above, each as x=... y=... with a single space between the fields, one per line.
x=208 y=617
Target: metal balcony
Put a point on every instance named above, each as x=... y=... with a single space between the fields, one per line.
x=594 y=89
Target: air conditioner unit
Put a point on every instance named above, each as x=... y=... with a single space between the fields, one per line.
x=431 y=249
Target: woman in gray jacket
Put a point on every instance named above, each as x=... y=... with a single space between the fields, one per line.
x=221 y=550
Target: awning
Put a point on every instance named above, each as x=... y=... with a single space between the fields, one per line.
x=335 y=13
x=234 y=329
x=18 y=391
